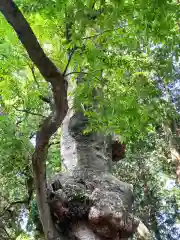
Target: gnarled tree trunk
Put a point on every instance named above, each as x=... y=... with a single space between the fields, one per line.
x=88 y=202
x=94 y=202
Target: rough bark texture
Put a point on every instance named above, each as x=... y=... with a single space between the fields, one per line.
x=88 y=202
x=68 y=144
x=88 y=199
x=173 y=136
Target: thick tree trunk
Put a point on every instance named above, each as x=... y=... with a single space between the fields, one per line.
x=107 y=201
x=81 y=152
x=88 y=202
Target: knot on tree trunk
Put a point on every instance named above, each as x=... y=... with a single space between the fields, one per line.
x=100 y=200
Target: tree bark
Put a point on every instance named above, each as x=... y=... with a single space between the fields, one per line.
x=59 y=88
x=109 y=215
x=173 y=137
x=105 y=212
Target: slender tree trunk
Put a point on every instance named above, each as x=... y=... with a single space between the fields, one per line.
x=50 y=125
x=173 y=138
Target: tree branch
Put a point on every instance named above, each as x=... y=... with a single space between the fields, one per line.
x=69 y=59
x=25 y=201
x=71 y=73
x=54 y=143
x=68 y=35
x=29 y=112
x=50 y=125
x=45 y=99
x=32 y=135
x=34 y=76
x=25 y=34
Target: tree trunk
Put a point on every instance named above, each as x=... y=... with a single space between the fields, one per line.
x=103 y=203
x=173 y=136
x=88 y=202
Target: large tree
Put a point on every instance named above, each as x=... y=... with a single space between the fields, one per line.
x=107 y=47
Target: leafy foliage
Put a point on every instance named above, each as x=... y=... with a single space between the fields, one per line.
x=155 y=193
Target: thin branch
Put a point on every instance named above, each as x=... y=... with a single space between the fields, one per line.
x=45 y=99
x=30 y=188
x=93 y=5
x=18 y=122
x=68 y=27
x=71 y=73
x=68 y=34
x=48 y=100
x=69 y=60
x=32 y=68
x=25 y=201
x=29 y=112
x=32 y=135
x=54 y=143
